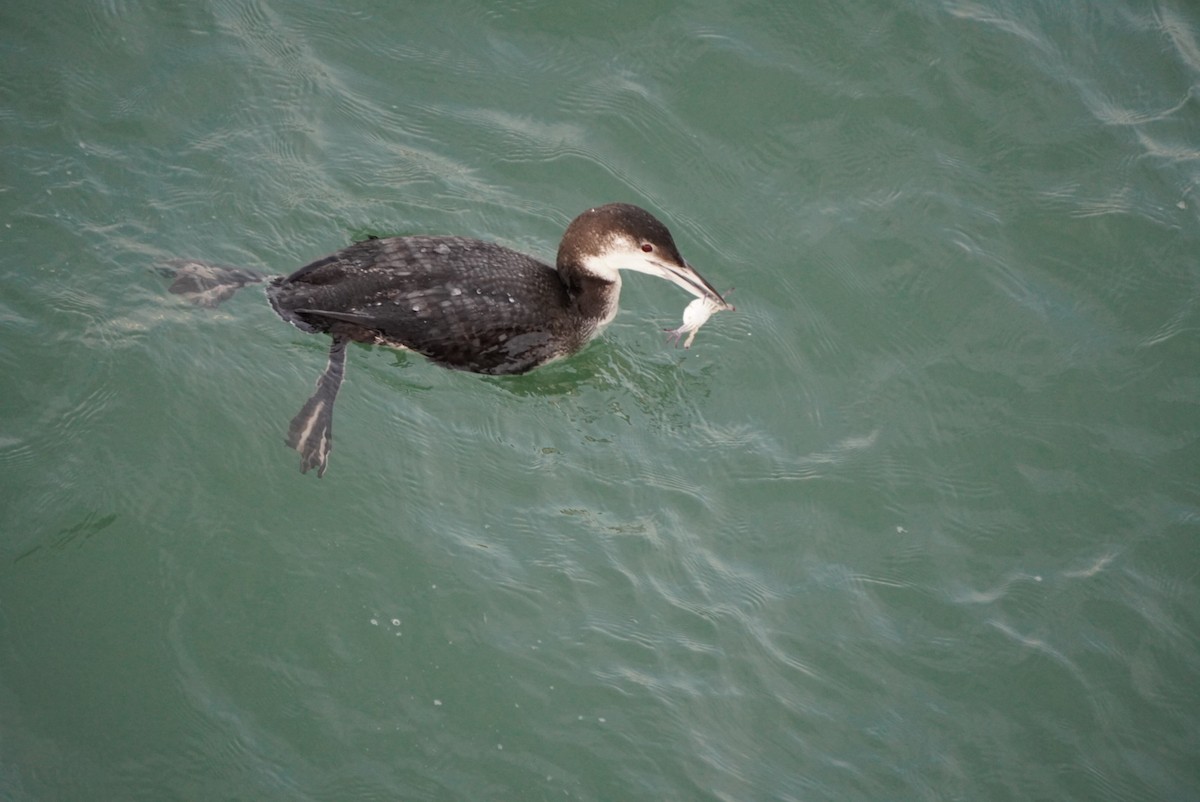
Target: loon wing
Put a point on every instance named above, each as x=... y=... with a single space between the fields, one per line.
x=345 y=317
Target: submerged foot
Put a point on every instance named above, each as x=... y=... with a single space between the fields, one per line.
x=206 y=284
x=311 y=431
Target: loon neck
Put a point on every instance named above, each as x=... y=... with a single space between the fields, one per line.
x=594 y=298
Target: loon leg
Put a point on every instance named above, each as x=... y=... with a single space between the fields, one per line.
x=206 y=284
x=311 y=431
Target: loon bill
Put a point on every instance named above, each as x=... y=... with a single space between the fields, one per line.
x=463 y=303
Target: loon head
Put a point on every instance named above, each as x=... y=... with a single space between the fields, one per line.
x=619 y=236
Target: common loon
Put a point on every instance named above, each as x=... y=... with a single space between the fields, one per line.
x=464 y=303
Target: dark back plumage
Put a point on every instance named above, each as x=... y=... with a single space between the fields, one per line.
x=465 y=303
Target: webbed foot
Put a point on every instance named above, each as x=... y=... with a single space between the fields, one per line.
x=311 y=431
x=204 y=283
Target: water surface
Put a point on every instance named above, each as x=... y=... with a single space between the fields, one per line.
x=918 y=521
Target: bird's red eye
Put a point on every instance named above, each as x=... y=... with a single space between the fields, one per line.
x=647 y=247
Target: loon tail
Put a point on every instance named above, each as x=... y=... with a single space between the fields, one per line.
x=204 y=283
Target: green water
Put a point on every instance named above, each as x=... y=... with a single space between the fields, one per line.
x=918 y=521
